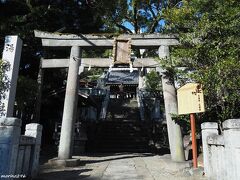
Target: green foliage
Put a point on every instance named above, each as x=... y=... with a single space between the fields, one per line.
x=22 y=17
x=209 y=36
x=91 y=75
x=183 y=121
x=153 y=81
x=19 y=17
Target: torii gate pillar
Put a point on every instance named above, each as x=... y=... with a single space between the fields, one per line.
x=70 y=106
x=170 y=103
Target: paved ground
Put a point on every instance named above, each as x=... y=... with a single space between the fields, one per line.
x=122 y=166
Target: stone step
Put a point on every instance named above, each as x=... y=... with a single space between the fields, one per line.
x=123 y=126
x=120 y=148
x=120 y=141
x=123 y=132
x=117 y=150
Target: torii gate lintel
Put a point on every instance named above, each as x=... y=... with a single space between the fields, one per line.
x=143 y=41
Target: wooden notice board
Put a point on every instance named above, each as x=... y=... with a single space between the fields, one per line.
x=190 y=99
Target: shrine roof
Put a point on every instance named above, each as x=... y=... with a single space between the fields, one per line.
x=123 y=76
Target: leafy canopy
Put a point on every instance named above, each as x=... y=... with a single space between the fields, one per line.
x=209 y=36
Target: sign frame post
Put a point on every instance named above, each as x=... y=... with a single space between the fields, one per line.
x=194 y=141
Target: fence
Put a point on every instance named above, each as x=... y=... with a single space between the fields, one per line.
x=221 y=153
x=149 y=103
x=19 y=154
x=80 y=137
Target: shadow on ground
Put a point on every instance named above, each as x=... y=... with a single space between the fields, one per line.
x=84 y=170
x=50 y=152
x=64 y=174
x=111 y=157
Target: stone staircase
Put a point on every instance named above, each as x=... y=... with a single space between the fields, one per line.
x=122 y=136
x=122 y=131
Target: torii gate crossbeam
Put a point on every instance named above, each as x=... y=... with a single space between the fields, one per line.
x=97 y=62
x=84 y=41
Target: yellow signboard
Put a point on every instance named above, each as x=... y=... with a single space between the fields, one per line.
x=190 y=99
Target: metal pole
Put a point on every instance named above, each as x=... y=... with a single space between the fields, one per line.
x=194 y=142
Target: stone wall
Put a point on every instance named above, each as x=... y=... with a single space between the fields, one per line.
x=221 y=153
x=19 y=154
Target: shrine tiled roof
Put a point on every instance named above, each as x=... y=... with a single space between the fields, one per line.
x=122 y=76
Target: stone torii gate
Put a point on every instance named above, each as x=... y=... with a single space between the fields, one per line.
x=76 y=63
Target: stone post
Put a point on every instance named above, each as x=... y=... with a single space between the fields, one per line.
x=140 y=104
x=10 y=130
x=208 y=129
x=231 y=129
x=216 y=157
x=39 y=94
x=157 y=110
x=11 y=54
x=170 y=103
x=141 y=79
x=70 y=106
x=105 y=103
x=34 y=130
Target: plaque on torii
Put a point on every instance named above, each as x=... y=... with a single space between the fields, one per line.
x=122 y=51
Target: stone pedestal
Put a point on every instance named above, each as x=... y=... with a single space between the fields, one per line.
x=231 y=129
x=208 y=129
x=64 y=162
x=157 y=110
x=10 y=129
x=35 y=130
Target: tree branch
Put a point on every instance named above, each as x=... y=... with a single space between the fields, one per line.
x=124 y=28
x=152 y=12
x=135 y=21
x=155 y=23
x=28 y=2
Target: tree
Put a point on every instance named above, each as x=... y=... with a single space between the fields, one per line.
x=209 y=36
x=133 y=16
x=22 y=17
x=25 y=97
x=152 y=81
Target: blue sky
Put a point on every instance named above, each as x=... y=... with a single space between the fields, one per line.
x=130 y=26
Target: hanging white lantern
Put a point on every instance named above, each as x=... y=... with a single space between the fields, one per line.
x=131 y=68
x=90 y=65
